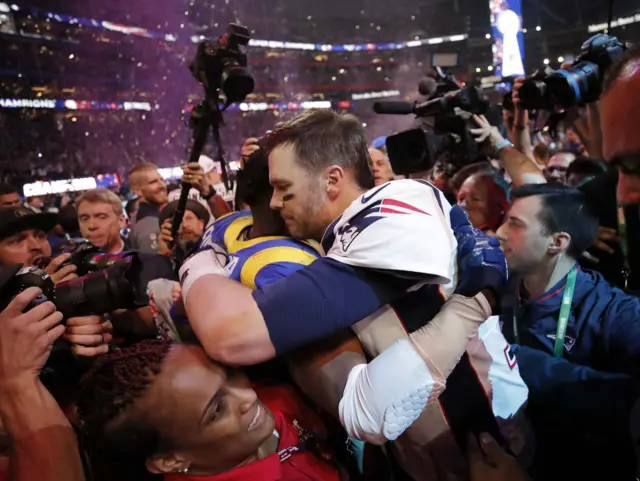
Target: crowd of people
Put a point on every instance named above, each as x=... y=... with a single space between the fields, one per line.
x=329 y=319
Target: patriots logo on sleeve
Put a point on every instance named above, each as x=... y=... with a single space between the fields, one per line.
x=372 y=214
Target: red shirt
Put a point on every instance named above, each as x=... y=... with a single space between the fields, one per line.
x=292 y=462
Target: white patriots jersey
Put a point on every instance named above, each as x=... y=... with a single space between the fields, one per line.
x=403 y=227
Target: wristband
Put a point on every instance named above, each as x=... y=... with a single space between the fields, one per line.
x=519 y=127
x=211 y=193
x=502 y=144
x=202 y=264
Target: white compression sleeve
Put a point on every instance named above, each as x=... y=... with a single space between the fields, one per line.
x=382 y=399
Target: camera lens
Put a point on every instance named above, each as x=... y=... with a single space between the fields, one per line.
x=236 y=81
x=99 y=292
x=578 y=84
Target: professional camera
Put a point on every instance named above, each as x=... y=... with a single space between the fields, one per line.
x=222 y=64
x=117 y=286
x=579 y=84
x=443 y=135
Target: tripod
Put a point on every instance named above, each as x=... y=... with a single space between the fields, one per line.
x=204 y=116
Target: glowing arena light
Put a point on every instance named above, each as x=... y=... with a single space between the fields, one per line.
x=508 y=47
x=59 y=186
x=618 y=22
x=71 y=104
x=28 y=103
x=259 y=43
x=171 y=173
x=375 y=95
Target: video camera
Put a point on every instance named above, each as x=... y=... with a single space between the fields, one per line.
x=221 y=64
x=579 y=84
x=443 y=135
x=100 y=290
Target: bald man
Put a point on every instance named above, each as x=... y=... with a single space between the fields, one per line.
x=380 y=166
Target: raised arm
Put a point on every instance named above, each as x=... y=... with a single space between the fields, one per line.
x=520 y=168
x=43 y=443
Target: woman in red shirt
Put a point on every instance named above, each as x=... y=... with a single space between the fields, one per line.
x=167 y=410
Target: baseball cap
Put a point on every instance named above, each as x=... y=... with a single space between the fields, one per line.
x=196 y=207
x=379 y=143
x=18 y=219
x=206 y=163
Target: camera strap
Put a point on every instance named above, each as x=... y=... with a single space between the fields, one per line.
x=624 y=244
x=563 y=317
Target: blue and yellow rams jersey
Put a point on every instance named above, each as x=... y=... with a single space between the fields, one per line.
x=258 y=262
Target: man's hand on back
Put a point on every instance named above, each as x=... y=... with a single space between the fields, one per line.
x=482 y=266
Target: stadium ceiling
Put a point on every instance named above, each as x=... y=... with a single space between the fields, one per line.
x=443 y=14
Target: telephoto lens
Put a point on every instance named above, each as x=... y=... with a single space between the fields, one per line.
x=119 y=286
x=102 y=291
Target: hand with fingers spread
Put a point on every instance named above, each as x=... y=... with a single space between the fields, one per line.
x=486 y=132
x=489 y=462
x=26 y=338
x=89 y=336
x=59 y=272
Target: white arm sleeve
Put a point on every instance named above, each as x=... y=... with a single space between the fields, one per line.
x=382 y=399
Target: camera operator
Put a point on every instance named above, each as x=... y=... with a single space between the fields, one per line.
x=615 y=195
x=101 y=218
x=147 y=183
x=196 y=218
x=23 y=240
x=205 y=180
x=43 y=443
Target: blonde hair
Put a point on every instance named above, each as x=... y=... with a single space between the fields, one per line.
x=134 y=173
x=103 y=196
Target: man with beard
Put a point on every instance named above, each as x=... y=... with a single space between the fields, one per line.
x=196 y=217
x=147 y=183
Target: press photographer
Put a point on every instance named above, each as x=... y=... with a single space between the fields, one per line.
x=43 y=443
x=101 y=219
x=206 y=188
x=23 y=240
x=614 y=195
x=196 y=218
x=443 y=135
